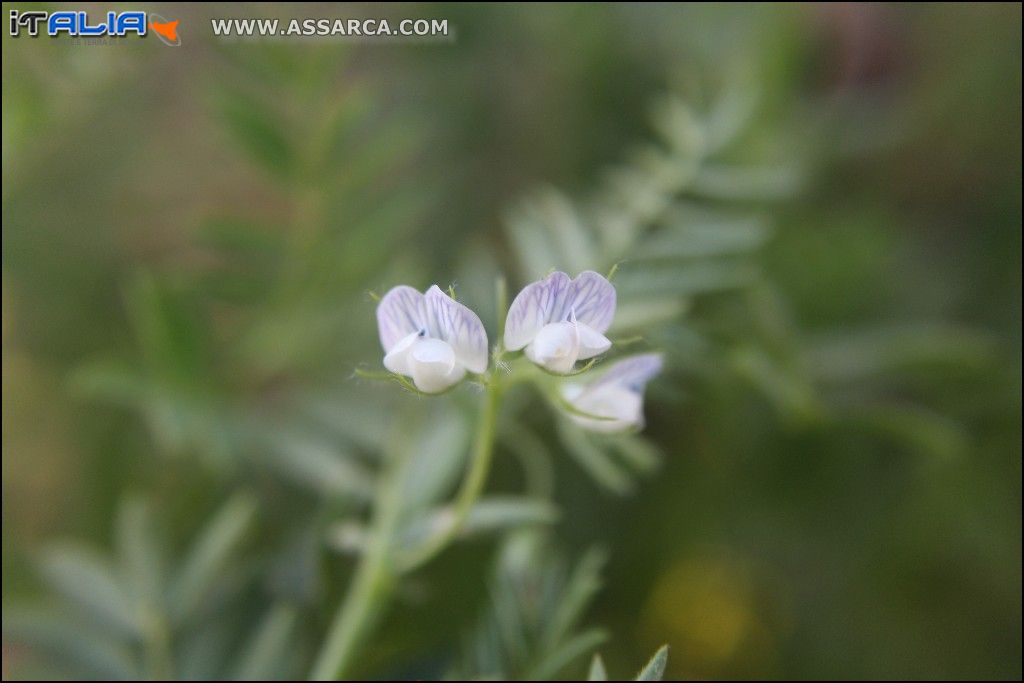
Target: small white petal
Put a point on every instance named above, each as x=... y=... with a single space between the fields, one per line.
x=621 y=409
x=410 y=323
x=397 y=359
x=633 y=372
x=456 y=324
x=434 y=351
x=616 y=395
x=589 y=299
x=400 y=313
x=433 y=365
x=556 y=347
x=533 y=308
x=592 y=342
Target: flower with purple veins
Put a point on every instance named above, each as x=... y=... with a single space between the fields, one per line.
x=614 y=401
x=558 y=320
x=430 y=337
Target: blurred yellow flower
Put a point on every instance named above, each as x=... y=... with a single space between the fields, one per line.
x=704 y=608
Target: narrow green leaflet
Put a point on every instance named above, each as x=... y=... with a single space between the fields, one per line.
x=140 y=560
x=654 y=670
x=210 y=553
x=266 y=652
x=90 y=583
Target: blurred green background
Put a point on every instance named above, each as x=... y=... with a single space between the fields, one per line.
x=191 y=236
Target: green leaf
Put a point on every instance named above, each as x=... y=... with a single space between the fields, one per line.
x=639 y=453
x=534 y=246
x=489 y=515
x=201 y=650
x=686 y=279
x=91 y=653
x=568 y=652
x=140 y=559
x=440 y=447
x=112 y=381
x=597 y=670
x=917 y=427
x=209 y=555
x=87 y=580
x=372 y=157
x=529 y=631
x=679 y=126
x=655 y=669
x=534 y=457
x=580 y=590
x=554 y=214
x=258 y=130
x=246 y=256
x=682 y=239
x=643 y=315
x=596 y=461
x=509 y=623
x=371 y=239
x=865 y=354
x=168 y=330
x=730 y=183
x=731 y=113
x=351 y=416
x=320 y=465
x=785 y=386
x=262 y=657
x=499 y=513
x=345 y=126
x=492 y=514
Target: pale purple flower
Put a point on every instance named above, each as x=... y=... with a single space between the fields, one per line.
x=559 y=321
x=614 y=401
x=430 y=337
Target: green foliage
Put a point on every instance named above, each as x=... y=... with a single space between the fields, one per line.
x=258 y=130
x=531 y=629
x=188 y=315
x=654 y=670
x=124 y=614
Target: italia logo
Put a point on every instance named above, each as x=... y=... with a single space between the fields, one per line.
x=79 y=25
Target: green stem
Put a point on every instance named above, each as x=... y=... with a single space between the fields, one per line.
x=375 y=575
x=358 y=612
x=472 y=485
x=369 y=590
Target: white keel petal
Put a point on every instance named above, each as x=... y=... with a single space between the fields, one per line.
x=433 y=366
x=556 y=347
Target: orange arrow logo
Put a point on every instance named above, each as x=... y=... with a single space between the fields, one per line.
x=168 y=29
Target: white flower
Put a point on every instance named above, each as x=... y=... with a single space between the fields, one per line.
x=430 y=337
x=560 y=321
x=616 y=398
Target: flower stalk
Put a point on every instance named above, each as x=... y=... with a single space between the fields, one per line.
x=376 y=573
x=472 y=486
x=370 y=589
